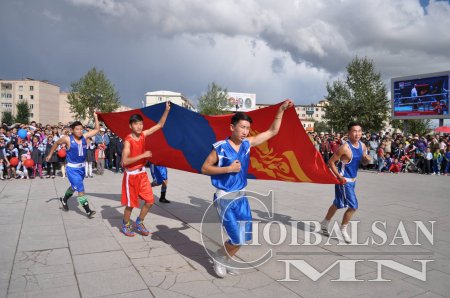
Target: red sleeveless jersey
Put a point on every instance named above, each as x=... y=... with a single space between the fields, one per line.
x=137 y=147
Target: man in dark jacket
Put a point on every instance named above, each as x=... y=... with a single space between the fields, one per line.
x=118 y=154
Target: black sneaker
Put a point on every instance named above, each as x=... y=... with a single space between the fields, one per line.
x=91 y=213
x=64 y=204
x=164 y=200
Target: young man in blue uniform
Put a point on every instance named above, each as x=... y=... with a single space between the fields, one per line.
x=227 y=164
x=348 y=157
x=76 y=156
x=159 y=175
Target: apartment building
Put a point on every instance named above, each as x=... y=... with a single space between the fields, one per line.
x=156 y=97
x=42 y=97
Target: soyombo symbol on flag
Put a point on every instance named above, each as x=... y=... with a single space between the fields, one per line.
x=187 y=138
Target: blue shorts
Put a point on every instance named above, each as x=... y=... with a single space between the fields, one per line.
x=159 y=173
x=345 y=196
x=236 y=218
x=76 y=177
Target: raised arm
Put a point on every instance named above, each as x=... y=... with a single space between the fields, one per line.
x=161 y=122
x=210 y=167
x=62 y=140
x=127 y=160
x=96 y=129
x=274 y=128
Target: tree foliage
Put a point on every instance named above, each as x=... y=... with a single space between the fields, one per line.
x=7 y=118
x=92 y=92
x=23 y=112
x=214 y=101
x=418 y=126
x=361 y=97
x=321 y=126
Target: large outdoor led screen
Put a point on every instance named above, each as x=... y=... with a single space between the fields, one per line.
x=421 y=96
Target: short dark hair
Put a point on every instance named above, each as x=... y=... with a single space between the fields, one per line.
x=135 y=118
x=240 y=116
x=75 y=124
x=353 y=123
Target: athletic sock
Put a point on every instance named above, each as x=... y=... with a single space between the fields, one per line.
x=84 y=203
x=68 y=194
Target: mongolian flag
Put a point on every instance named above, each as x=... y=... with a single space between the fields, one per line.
x=187 y=137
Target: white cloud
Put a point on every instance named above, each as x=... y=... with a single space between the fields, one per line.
x=52 y=16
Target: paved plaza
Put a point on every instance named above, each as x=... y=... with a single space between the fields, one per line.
x=45 y=252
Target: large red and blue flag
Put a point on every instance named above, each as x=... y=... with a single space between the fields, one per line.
x=187 y=137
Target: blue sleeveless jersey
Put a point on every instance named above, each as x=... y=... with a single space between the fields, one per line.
x=227 y=155
x=77 y=152
x=350 y=169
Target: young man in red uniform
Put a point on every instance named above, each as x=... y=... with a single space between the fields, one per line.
x=135 y=183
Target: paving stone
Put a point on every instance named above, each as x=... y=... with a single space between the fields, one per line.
x=109 y=282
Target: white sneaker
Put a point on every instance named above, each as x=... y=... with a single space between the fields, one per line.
x=324 y=227
x=346 y=236
x=220 y=269
x=232 y=270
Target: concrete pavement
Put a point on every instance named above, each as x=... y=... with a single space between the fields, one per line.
x=45 y=252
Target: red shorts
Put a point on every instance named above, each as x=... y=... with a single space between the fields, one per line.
x=135 y=184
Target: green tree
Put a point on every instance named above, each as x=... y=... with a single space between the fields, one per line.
x=23 y=112
x=214 y=101
x=361 y=97
x=7 y=118
x=92 y=92
x=321 y=126
x=419 y=126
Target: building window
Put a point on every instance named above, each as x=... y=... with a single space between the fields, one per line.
x=304 y=125
x=31 y=88
x=20 y=96
x=20 y=88
x=31 y=106
x=317 y=109
x=7 y=105
x=31 y=96
x=303 y=115
x=317 y=115
x=31 y=115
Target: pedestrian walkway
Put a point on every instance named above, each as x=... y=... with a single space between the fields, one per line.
x=46 y=252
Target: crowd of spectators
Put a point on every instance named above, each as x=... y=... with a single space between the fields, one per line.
x=28 y=145
x=394 y=153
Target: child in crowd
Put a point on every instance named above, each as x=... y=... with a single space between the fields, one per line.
x=22 y=170
x=428 y=161
x=11 y=152
x=37 y=151
x=395 y=167
x=90 y=157
x=437 y=160
x=2 y=157
x=387 y=162
x=53 y=161
x=447 y=159
x=100 y=155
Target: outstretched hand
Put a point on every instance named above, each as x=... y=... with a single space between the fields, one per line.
x=286 y=105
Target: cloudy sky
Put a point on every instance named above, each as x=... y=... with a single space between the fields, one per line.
x=276 y=49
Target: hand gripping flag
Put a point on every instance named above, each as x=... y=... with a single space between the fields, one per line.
x=187 y=137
